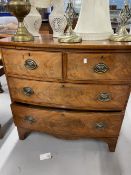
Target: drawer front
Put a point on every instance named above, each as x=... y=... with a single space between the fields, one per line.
x=72 y=96
x=99 y=67
x=33 y=64
x=68 y=124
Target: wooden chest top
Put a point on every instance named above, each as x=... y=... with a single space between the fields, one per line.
x=47 y=42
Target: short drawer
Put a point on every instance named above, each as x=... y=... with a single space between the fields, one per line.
x=90 y=67
x=72 y=96
x=33 y=64
x=68 y=124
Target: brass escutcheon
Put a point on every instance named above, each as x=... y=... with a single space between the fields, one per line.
x=101 y=68
x=100 y=125
x=30 y=119
x=104 y=97
x=31 y=64
x=28 y=91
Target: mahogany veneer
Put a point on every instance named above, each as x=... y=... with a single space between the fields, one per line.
x=1 y=90
x=70 y=96
x=71 y=91
x=68 y=124
x=1 y=72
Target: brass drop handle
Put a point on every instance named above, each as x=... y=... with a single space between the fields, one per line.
x=100 y=125
x=31 y=64
x=104 y=97
x=101 y=68
x=28 y=91
x=29 y=119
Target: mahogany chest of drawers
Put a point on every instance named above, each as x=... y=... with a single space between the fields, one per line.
x=69 y=91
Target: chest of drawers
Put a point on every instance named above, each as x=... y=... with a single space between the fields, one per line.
x=69 y=91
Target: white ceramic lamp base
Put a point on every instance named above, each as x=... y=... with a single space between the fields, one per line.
x=57 y=18
x=94 y=20
x=33 y=20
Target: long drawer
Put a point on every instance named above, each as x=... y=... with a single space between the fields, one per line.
x=88 y=67
x=72 y=96
x=68 y=124
x=33 y=64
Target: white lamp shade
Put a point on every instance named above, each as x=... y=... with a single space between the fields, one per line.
x=94 y=20
x=41 y=3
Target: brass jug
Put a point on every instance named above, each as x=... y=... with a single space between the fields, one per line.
x=20 y=9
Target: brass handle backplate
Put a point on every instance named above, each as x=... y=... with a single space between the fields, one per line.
x=104 y=97
x=100 y=125
x=101 y=68
x=30 y=119
x=31 y=64
x=28 y=91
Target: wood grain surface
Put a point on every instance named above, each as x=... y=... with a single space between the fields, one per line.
x=64 y=95
x=82 y=66
x=48 y=42
x=71 y=96
x=49 y=64
x=67 y=124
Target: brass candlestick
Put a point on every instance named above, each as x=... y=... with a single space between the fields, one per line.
x=70 y=36
x=122 y=34
x=20 y=8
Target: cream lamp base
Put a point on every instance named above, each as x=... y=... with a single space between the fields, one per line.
x=94 y=20
x=57 y=18
x=95 y=36
x=33 y=22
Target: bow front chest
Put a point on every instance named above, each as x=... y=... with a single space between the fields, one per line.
x=71 y=91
